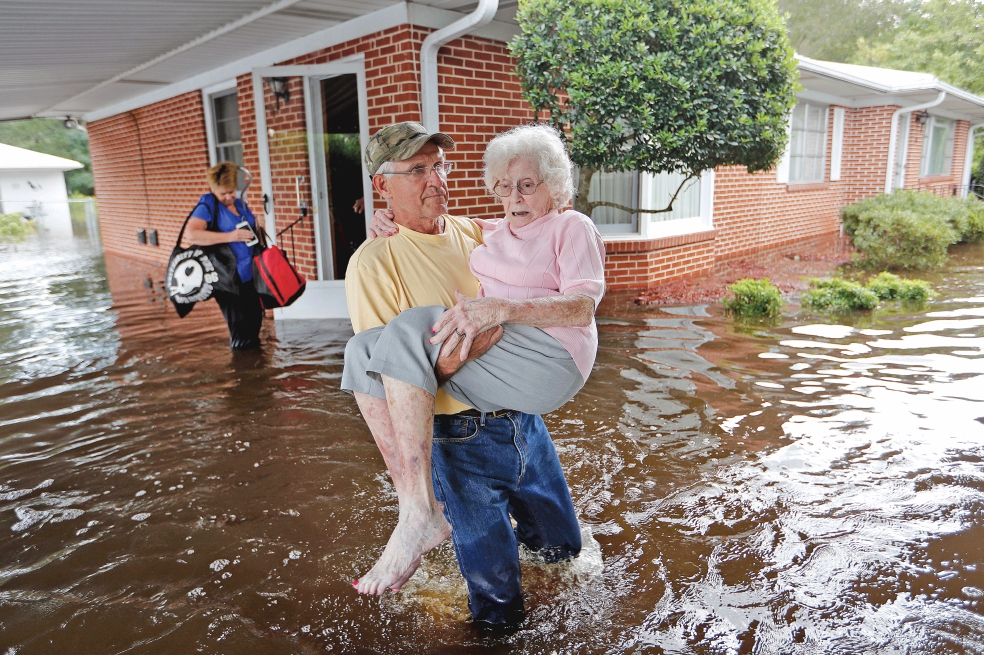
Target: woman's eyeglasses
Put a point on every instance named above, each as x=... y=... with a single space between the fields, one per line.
x=420 y=172
x=526 y=187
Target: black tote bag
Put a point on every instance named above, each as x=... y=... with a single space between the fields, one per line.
x=196 y=273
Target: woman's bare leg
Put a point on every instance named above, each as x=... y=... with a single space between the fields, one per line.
x=406 y=448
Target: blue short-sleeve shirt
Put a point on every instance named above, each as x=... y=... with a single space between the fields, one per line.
x=227 y=222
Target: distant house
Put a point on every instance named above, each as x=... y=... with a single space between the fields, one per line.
x=33 y=184
x=296 y=108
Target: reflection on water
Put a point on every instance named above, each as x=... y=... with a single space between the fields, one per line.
x=812 y=487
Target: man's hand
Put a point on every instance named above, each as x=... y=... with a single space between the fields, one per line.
x=448 y=365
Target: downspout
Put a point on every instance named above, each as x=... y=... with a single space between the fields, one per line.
x=894 y=136
x=969 y=159
x=429 y=112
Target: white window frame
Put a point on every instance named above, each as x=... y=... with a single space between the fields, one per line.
x=207 y=94
x=837 y=145
x=928 y=132
x=823 y=141
x=652 y=226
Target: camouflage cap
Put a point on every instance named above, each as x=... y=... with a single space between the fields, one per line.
x=401 y=141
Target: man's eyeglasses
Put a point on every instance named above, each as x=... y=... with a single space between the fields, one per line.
x=526 y=187
x=420 y=172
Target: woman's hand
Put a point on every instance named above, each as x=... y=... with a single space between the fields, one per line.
x=241 y=234
x=465 y=321
x=381 y=224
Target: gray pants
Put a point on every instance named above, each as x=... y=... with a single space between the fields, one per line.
x=527 y=370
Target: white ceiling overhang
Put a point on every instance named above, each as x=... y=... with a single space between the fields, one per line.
x=76 y=58
x=864 y=86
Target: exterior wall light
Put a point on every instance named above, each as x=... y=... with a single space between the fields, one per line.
x=922 y=117
x=281 y=89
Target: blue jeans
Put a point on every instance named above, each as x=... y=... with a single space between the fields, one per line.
x=484 y=473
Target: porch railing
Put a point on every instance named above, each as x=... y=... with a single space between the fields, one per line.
x=944 y=190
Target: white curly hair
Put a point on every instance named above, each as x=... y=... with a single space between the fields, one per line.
x=544 y=147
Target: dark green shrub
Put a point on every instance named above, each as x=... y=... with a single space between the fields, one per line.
x=838 y=294
x=892 y=287
x=14 y=226
x=753 y=298
x=911 y=229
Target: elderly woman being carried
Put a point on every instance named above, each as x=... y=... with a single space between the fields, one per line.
x=541 y=271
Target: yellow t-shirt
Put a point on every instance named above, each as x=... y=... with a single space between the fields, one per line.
x=411 y=269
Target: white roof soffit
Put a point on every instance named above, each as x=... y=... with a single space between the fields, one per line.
x=865 y=86
x=83 y=58
x=13 y=158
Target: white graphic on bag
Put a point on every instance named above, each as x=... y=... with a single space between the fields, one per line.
x=190 y=277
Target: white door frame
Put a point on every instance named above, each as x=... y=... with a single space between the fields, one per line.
x=352 y=65
x=323 y=298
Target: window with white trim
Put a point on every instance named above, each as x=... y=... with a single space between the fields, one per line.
x=644 y=191
x=225 y=127
x=937 y=153
x=808 y=143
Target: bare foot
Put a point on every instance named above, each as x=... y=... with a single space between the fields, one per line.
x=415 y=534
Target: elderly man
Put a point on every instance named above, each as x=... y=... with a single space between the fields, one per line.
x=486 y=467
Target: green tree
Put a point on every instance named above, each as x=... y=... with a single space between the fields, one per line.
x=51 y=137
x=830 y=29
x=942 y=37
x=658 y=85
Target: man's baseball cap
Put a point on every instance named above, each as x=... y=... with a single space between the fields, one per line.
x=401 y=141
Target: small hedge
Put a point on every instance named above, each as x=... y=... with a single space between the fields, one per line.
x=911 y=229
x=892 y=287
x=753 y=298
x=838 y=294
x=14 y=226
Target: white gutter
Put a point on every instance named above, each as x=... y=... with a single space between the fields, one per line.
x=969 y=159
x=429 y=99
x=894 y=135
x=225 y=29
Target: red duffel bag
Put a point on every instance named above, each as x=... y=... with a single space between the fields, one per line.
x=276 y=280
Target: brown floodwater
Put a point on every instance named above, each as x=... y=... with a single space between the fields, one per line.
x=814 y=486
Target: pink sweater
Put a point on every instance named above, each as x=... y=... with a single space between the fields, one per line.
x=555 y=255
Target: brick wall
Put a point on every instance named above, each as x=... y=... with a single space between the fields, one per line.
x=149 y=164
x=753 y=212
x=149 y=168
x=631 y=264
x=479 y=98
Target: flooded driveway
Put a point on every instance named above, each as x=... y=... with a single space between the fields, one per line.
x=812 y=487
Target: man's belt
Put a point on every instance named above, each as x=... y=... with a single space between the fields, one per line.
x=474 y=413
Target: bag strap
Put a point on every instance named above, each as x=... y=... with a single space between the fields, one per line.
x=212 y=221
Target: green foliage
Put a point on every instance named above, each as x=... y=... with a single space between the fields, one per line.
x=830 y=29
x=888 y=286
x=838 y=294
x=14 y=227
x=659 y=85
x=911 y=229
x=51 y=137
x=753 y=298
x=942 y=37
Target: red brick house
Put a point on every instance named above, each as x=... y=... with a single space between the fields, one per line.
x=297 y=109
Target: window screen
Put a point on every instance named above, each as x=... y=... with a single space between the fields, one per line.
x=808 y=143
x=225 y=118
x=937 y=147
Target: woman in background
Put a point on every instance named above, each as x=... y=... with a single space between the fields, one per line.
x=214 y=221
